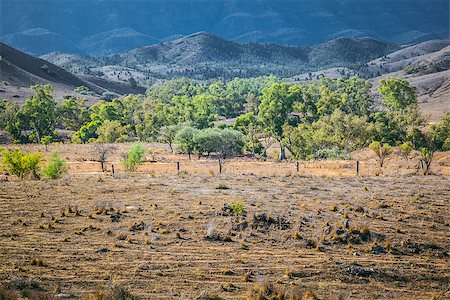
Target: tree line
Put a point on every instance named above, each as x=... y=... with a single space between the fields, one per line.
x=326 y=118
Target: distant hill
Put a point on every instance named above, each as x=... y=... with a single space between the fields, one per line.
x=206 y=56
x=18 y=71
x=38 y=41
x=115 y=41
x=99 y=24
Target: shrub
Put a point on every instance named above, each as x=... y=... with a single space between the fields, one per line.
x=56 y=166
x=405 y=149
x=237 y=208
x=83 y=90
x=135 y=157
x=381 y=150
x=21 y=165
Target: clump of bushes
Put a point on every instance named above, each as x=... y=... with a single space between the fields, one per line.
x=56 y=166
x=22 y=165
x=83 y=90
x=135 y=157
x=28 y=165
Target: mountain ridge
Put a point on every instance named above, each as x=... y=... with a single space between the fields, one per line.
x=286 y=22
x=203 y=55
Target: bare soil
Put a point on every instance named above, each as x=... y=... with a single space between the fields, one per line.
x=163 y=235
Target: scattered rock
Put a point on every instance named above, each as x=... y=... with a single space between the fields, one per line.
x=102 y=250
x=378 y=249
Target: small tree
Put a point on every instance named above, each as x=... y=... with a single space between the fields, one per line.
x=168 y=135
x=46 y=141
x=19 y=164
x=101 y=152
x=382 y=151
x=437 y=138
x=56 y=166
x=405 y=149
x=184 y=140
x=135 y=157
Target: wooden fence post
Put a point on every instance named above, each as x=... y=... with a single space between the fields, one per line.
x=112 y=169
x=178 y=167
x=357 y=168
x=220 y=166
x=298 y=166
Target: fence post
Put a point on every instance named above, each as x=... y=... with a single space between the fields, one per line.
x=357 y=168
x=112 y=169
x=178 y=167
x=298 y=166
x=220 y=166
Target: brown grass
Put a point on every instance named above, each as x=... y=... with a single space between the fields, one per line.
x=150 y=235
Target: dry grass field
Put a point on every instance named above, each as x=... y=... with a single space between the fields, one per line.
x=321 y=233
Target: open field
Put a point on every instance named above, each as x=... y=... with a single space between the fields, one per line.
x=160 y=235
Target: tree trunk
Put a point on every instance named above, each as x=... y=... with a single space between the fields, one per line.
x=282 y=153
x=189 y=153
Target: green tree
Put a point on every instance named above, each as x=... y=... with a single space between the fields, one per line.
x=39 y=114
x=9 y=120
x=437 y=138
x=232 y=143
x=184 y=140
x=250 y=126
x=397 y=93
x=73 y=113
x=168 y=135
x=208 y=140
x=112 y=132
x=204 y=111
x=87 y=132
x=405 y=149
x=381 y=150
x=276 y=105
x=46 y=141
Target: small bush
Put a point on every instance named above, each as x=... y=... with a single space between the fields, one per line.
x=135 y=157
x=56 y=166
x=237 y=208
x=21 y=165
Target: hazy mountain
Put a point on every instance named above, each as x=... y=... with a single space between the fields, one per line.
x=114 y=41
x=206 y=56
x=39 y=41
x=98 y=24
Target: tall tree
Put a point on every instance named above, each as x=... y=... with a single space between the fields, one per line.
x=276 y=105
x=39 y=114
x=397 y=93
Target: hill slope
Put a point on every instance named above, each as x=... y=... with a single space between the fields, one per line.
x=18 y=71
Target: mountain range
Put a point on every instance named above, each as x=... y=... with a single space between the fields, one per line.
x=102 y=27
x=206 y=56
